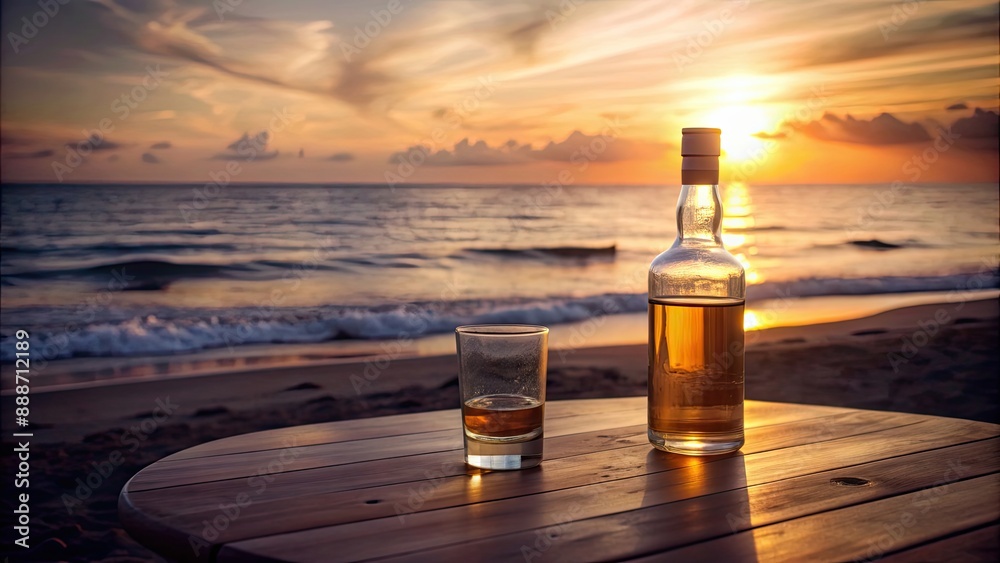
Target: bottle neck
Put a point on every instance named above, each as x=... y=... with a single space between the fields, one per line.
x=699 y=215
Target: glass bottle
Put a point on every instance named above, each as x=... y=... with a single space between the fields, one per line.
x=696 y=298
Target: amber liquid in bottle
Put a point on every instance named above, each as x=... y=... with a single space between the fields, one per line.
x=696 y=299
x=696 y=369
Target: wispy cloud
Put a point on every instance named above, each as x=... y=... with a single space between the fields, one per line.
x=416 y=81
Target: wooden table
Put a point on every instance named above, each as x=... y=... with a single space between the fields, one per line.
x=811 y=484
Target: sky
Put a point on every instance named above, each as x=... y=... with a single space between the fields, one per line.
x=576 y=91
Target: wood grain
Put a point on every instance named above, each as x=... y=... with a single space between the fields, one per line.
x=397 y=425
x=524 y=503
x=622 y=535
x=573 y=418
x=977 y=546
x=602 y=492
x=864 y=532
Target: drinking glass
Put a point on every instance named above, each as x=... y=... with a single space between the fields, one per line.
x=501 y=381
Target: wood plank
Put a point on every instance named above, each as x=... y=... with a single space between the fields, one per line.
x=762 y=412
x=977 y=546
x=862 y=532
x=416 y=469
x=565 y=480
x=621 y=535
x=384 y=426
x=176 y=472
x=445 y=520
x=238 y=466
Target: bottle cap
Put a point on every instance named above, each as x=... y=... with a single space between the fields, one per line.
x=700 y=149
x=700 y=141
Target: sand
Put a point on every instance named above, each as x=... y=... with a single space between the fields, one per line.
x=902 y=360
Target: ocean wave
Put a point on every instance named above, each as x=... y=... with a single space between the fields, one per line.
x=177 y=331
x=553 y=251
x=136 y=269
x=817 y=287
x=141 y=274
x=111 y=248
x=191 y=332
x=193 y=232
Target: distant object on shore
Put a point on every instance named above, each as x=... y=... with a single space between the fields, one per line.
x=558 y=251
x=876 y=244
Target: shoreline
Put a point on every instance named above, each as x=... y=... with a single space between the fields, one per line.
x=620 y=371
x=825 y=314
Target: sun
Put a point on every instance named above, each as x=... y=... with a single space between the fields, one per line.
x=739 y=123
x=737 y=105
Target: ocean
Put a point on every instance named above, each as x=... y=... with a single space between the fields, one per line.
x=152 y=270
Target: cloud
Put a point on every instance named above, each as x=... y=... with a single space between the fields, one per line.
x=259 y=140
x=956 y=28
x=981 y=124
x=956 y=107
x=308 y=53
x=341 y=157
x=150 y=158
x=885 y=129
x=161 y=145
x=248 y=148
x=578 y=147
x=96 y=142
x=978 y=131
x=44 y=153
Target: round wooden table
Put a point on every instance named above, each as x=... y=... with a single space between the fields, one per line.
x=811 y=483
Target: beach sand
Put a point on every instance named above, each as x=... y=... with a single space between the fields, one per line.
x=901 y=360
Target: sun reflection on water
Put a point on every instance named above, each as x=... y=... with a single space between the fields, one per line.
x=737 y=234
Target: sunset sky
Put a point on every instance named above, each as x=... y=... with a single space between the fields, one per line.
x=317 y=91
